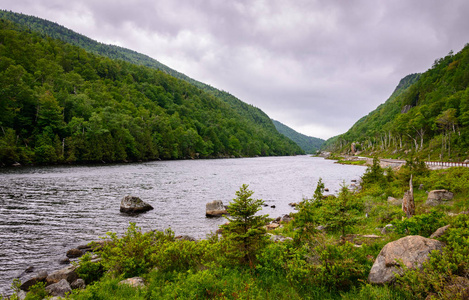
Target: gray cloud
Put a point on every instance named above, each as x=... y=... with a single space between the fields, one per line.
x=317 y=66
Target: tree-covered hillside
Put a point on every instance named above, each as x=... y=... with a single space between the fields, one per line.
x=59 y=103
x=307 y=143
x=427 y=115
x=56 y=31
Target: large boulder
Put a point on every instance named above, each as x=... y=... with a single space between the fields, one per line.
x=59 y=289
x=132 y=204
x=215 y=209
x=437 y=197
x=412 y=251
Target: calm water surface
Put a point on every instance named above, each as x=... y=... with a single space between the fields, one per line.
x=44 y=211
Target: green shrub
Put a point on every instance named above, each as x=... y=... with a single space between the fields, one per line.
x=109 y=288
x=441 y=267
x=89 y=271
x=183 y=255
x=37 y=292
x=424 y=224
x=132 y=254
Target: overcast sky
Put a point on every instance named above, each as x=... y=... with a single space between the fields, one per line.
x=316 y=66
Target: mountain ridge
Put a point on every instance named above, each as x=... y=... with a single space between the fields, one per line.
x=309 y=144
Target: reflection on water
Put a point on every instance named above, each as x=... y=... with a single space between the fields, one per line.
x=44 y=211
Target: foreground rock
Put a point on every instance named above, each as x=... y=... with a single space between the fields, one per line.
x=215 y=209
x=59 y=289
x=437 y=197
x=412 y=251
x=131 y=204
x=67 y=273
x=32 y=280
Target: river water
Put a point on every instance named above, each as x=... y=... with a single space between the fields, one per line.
x=44 y=211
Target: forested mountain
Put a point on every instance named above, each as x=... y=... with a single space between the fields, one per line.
x=54 y=30
x=60 y=103
x=427 y=116
x=307 y=143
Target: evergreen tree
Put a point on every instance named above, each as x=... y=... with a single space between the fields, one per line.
x=245 y=232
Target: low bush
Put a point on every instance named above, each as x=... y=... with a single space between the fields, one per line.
x=442 y=268
x=424 y=224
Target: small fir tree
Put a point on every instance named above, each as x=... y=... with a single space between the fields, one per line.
x=245 y=233
x=343 y=212
x=307 y=218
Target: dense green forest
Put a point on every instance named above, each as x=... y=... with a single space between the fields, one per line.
x=60 y=103
x=307 y=143
x=56 y=31
x=427 y=115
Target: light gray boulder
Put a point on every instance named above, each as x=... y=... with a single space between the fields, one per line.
x=59 y=289
x=394 y=201
x=439 y=232
x=215 y=209
x=132 y=204
x=136 y=282
x=67 y=273
x=412 y=251
x=437 y=197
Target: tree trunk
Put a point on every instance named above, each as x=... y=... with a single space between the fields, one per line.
x=408 y=204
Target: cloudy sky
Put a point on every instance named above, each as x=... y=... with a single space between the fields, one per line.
x=315 y=65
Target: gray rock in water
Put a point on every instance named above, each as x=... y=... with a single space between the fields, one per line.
x=437 y=197
x=215 y=209
x=59 y=289
x=410 y=250
x=74 y=253
x=132 y=204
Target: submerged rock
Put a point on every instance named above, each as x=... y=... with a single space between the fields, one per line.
x=74 y=253
x=132 y=204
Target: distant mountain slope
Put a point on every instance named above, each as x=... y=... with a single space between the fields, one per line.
x=57 y=31
x=307 y=143
x=59 y=103
x=427 y=115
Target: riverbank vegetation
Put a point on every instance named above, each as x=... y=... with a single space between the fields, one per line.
x=427 y=114
x=61 y=104
x=325 y=252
